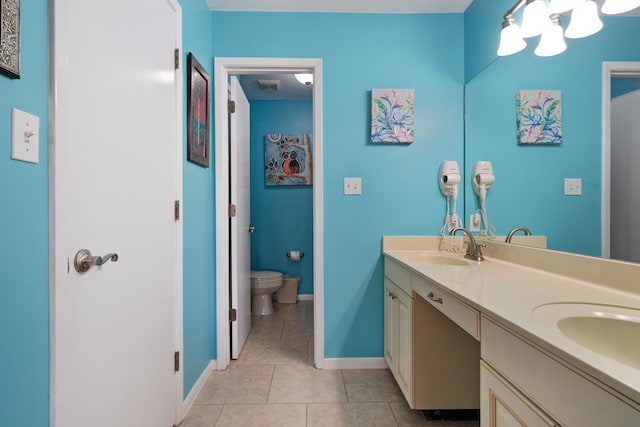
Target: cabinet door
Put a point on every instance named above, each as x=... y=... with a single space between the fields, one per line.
x=404 y=354
x=502 y=405
x=390 y=325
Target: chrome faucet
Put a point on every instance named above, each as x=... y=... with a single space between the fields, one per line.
x=526 y=231
x=473 y=248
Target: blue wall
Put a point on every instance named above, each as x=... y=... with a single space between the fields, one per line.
x=623 y=85
x=283 y=216
x=199 y=217
x=24 y=233
x=529 y=187
x=400 y=194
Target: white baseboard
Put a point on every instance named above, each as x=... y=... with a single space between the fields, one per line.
x=196 y=389
x=356 y=363
x=305 y=297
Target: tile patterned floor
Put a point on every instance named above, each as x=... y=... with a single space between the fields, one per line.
x=274 y=383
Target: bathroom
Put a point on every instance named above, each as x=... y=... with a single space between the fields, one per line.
x=399 y=191
x=282 y=215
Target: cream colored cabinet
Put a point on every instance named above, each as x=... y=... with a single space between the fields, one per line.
x=524 y=384
x=434 y=361
x=504 y=406
x=397 y=335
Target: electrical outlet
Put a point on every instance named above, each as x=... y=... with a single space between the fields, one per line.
x=474 y=222
x=573 y=186
x=352 y=186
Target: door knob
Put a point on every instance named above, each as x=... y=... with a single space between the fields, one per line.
x=251 y=229
x=84 y=260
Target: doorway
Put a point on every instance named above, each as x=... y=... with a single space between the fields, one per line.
x=224 y=67
x=620 y=206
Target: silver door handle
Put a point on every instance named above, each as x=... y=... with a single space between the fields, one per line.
x=251 y=229
x=84 y=260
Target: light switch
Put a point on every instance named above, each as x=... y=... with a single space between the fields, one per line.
x=352 y=186
x=573 y=186
x=25 y=136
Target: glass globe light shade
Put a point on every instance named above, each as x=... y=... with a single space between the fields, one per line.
x=614 y=7
x=552 y=41
x=584 y=21
x=511 y=40
x=305 y=78
x=534 y=18
x=561 y=6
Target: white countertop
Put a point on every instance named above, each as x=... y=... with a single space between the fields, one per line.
x=509 y=292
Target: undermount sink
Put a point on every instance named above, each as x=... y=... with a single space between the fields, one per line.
x=422 y=258
x=610 y=331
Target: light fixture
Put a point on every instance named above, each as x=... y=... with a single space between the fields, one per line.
x=552 y=41
x=614 y=7
x=511 y=40
x=534 y=18
x=561 y=6
x=584 y=20
x=305 y=78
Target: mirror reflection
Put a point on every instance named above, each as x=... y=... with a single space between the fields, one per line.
x=529 y=187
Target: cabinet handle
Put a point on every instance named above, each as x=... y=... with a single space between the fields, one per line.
x=431 y=297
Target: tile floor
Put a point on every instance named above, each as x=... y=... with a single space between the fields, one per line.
x=274 y=383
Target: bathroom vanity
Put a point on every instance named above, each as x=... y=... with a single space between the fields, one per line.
x=530 y=336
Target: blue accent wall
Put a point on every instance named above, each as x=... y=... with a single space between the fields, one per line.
x=24 y=236
x=623 y=85
x=283 y=216
x=198 y=210
x=529 y=187
x=400 y=194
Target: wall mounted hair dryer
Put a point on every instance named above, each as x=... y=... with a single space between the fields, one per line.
x=449 y=180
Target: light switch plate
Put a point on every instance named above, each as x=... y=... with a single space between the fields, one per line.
x=25 y=136
x=352 y=186
x=573 y=186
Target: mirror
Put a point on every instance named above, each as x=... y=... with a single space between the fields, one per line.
x=530 y=178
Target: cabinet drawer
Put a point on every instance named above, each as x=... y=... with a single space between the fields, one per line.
x=398 y=275
x=466 y=317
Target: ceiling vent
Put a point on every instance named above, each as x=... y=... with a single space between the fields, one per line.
x=269 y=85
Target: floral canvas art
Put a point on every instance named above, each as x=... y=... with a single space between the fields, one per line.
x=392 y=116
x=287 y=159
x=539 y=116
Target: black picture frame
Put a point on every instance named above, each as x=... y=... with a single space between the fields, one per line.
x=10 y=38
x=198 y=117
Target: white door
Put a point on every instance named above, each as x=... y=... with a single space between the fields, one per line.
x=240 y=180
x=625 y=176
x=116 y=174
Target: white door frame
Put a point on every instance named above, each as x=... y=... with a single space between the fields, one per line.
x=223 y=67
x=609 y=70
x=178 y=333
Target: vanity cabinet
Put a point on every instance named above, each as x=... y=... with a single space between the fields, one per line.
x=502 y=405
x=434 y=361
x=397 y=335
x=523 y=384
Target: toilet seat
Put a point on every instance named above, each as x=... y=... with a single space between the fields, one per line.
x=265 y=278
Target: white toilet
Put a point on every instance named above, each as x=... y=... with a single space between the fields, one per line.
x=263 y=285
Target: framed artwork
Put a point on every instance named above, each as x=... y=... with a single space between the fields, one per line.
x=539 y=117
x=392 y=116
x=287 y=159
x=198 y=113
x=10 y=38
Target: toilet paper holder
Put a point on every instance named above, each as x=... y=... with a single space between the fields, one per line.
x=289 y=253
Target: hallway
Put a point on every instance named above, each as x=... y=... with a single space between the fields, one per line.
x=274 y=383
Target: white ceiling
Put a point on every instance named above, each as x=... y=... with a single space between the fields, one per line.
x=353 y=6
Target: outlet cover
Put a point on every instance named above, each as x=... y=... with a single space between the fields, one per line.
x=352 y=186
x=573 y=186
